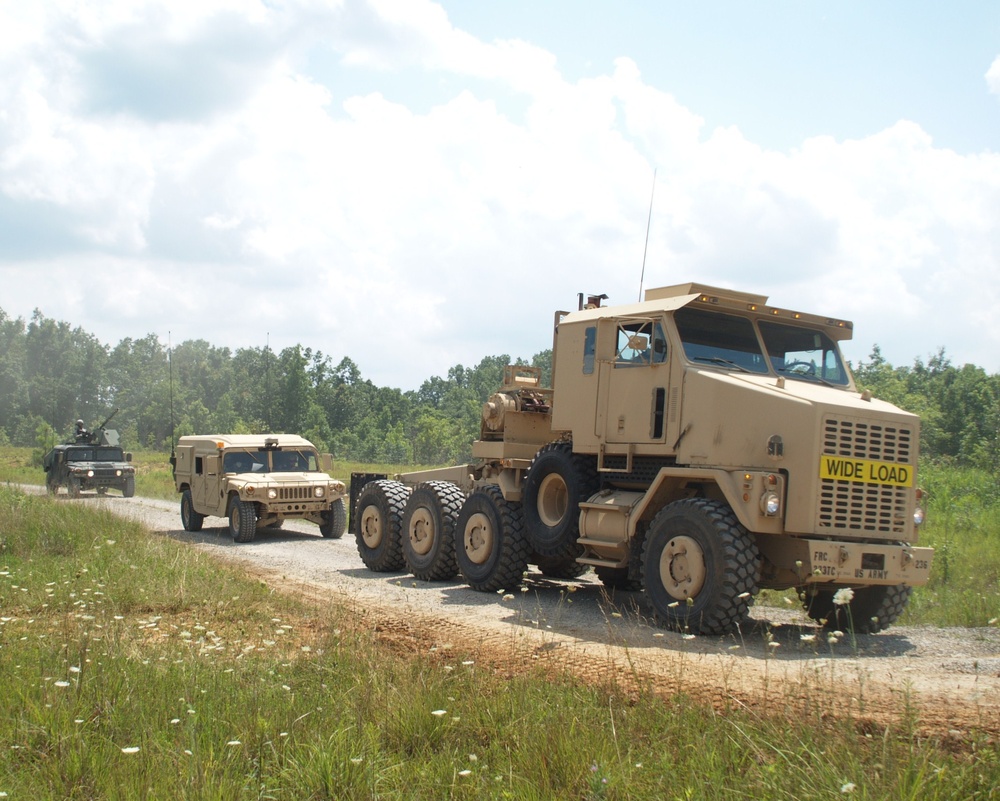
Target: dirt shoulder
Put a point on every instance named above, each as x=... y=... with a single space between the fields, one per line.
x=940 y=681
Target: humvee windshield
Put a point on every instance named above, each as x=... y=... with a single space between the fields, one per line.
x=94 y=455
x=265 y=461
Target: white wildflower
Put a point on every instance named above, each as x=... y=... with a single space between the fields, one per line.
x=843 y=596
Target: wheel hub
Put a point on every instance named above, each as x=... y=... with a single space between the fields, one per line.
x=682 y=568
x=553 y=500
x=371 y=526
x=478 y=538
x=421 y=531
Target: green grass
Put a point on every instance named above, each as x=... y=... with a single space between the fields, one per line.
x=134 y=666
x=963 y=526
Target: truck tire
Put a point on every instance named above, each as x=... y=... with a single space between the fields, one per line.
x=242 y=520
x=190 y=519
x=378 y=525
x=428 y=530
x=617 y=578
x=565 y=567
x=73 y=487
x=871 y=610
x=699 y=567
x=334 y=521
x=128 y=488
x=490 y=543
x=554 y=486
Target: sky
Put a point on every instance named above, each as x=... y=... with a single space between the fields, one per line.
x=419 y=184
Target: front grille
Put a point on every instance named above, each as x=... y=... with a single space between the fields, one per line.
x=295 y=493
x=879 y=509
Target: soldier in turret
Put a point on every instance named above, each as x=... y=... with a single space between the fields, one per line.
x=82 y=435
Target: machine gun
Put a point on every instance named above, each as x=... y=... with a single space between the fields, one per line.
x=100 y=435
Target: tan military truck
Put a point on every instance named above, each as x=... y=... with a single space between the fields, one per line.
x=699 y=445
x=256 y=481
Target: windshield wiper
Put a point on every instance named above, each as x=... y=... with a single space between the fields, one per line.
x=720 y=360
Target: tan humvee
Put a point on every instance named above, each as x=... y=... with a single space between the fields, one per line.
x=699 y=445
x=256 y=481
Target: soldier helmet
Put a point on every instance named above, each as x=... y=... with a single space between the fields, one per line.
x=79 y=423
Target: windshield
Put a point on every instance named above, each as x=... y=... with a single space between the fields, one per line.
x=803 y=353
x=723 y=339
x=728 y=340
x=263 y=461
x=95 y=455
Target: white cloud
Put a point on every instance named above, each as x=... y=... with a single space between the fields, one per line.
x=283 y=203
x=993 y=76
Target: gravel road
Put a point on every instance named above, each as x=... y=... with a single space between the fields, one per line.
x=943 y=681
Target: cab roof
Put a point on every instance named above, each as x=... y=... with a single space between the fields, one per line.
x=246 y=440
x=672 y=298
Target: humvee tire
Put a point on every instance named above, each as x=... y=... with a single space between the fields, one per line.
x=378 y=525
x=128 y=489
x=699 y=567
x=190 y=519
x=428 y=530
x=334 y=521
x=242 y=520
x=490 y=543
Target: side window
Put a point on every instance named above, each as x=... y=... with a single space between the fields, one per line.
x=589 y=349
x=199 y=468
x=640 y=342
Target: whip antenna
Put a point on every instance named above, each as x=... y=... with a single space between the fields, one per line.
x=170 y=375
x=645 y=247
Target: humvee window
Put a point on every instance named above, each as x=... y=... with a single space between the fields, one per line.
x=803 y=353
x=267 y=461
x=721 y=339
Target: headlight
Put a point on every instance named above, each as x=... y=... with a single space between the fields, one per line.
x=770 y=504
x=272 y=493
x=918 y=516
x=90 y=474
x=318 y=492
x=118 y=472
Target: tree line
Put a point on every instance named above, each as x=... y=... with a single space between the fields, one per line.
x=51 y=374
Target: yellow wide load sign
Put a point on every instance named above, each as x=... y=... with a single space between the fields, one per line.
x=866 y=471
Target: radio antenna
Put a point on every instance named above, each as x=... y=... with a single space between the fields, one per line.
x=170 y=374
x=645 y=247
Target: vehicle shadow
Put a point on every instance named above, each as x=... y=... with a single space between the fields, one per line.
x=588 y=611
x=584 y=609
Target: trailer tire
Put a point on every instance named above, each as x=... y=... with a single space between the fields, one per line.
x=490 y=543
x=190 y=519
x=428 y=530
x=378 y=525
x=556 y=483
x=242 y=520
x=699 y=567
x=334 y=521
x=871 y=610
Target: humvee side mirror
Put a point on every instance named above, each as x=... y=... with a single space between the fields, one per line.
x=326 y=462
x=128 y=457
x=638 y=342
